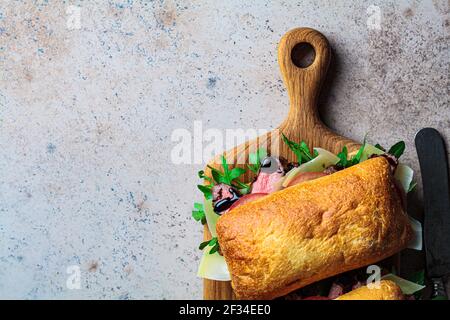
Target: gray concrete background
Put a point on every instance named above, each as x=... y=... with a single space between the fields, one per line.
x=86 y=118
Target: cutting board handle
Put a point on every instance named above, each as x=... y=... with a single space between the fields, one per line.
x=302 y=124
x=303 y=83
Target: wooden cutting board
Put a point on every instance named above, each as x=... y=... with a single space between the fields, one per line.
x=302 y=123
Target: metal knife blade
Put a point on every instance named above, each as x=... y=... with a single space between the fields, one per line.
x=434 y=168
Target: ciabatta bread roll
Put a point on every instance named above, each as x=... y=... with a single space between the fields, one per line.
x=388 y=290
x=313 y=230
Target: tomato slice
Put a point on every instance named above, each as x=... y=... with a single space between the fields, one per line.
x=306 y=176
x=247 y=198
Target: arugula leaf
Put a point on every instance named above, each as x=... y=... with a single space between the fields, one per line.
x=199 y=213
x=217 y=175
x=198 y=206
x=214 y=243
x=255 y=160
x=227 y=176
x=294 y=147
x=397 y=149
x=214 y=249
x=315 y=154
x=207 y=192
x=236 y=173
x=305 y=149
x=357 y=157
x=203 y=245
x=343 y=162
x=301 y=150
x=201 y=175
x=226 y=170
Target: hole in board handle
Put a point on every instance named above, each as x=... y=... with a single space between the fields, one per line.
x=303 y=55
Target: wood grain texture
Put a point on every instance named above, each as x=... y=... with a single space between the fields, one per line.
x=302 y=122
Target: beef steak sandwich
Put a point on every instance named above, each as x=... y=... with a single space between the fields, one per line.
x=309 y=228
x=313 y=230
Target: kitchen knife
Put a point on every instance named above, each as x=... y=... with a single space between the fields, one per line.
x=434 y=169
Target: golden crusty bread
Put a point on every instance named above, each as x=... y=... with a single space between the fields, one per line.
x=313 y=230
x=388 y=290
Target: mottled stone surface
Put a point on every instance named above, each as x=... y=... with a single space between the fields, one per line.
x=86 y=117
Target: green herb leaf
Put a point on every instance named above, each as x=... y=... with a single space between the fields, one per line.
x=207 y=192
x=255 y=160
x=397 y=149
x=201 y=175
x=253 y=168
x=300 y=150
x=236 y=173
x=316 y=153
x=378 y=146
x=217 y=175
x=294 y=147
x=211 y=243
x=305 y=149
x=357 y=158
x=203 y=245
x=226 y=170
x=262 y=153
x=228 y=176
x=343 y=162
x=199 y=213
x=214 y=249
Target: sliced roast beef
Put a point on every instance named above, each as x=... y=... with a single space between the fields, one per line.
x=266 y=183
x=223 y=197
x=333 y=169
x=271 y=172
x=336 y=290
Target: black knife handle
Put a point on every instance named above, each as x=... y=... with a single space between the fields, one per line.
x=436 y=197
x=438 y=288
